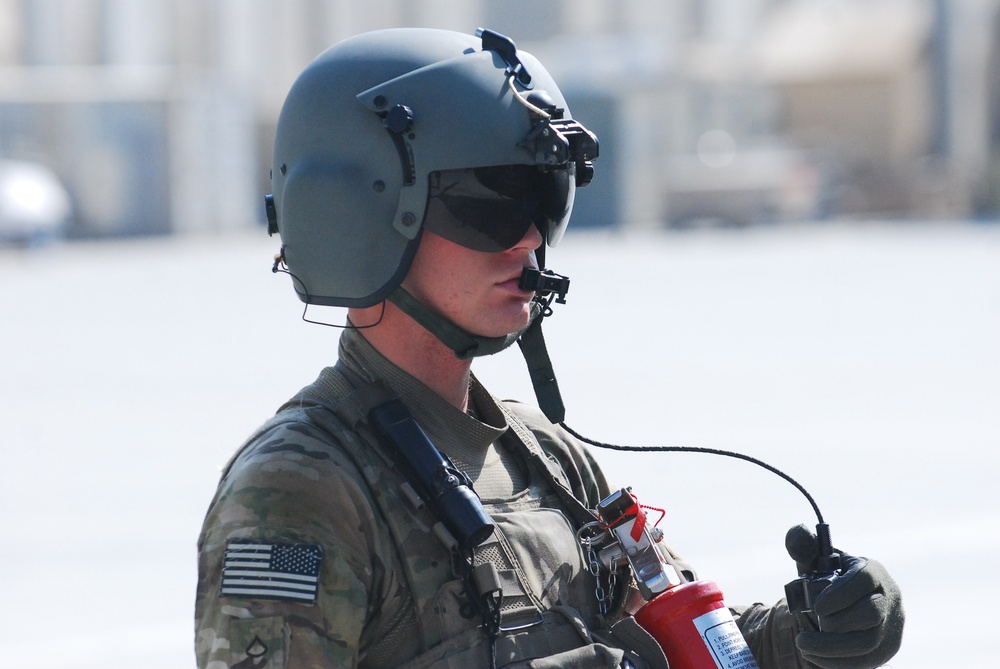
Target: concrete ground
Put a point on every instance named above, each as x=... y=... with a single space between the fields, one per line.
x=861 y=359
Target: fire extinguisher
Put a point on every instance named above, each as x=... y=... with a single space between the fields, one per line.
x=688 y=619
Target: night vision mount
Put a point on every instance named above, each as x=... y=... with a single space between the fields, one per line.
x=554 y=141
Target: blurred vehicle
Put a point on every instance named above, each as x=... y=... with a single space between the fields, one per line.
x=728 y=186
x=35 y=207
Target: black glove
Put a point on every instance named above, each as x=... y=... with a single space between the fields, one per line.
x=860 y=613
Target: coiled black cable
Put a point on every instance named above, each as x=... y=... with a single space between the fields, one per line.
x=699 y=449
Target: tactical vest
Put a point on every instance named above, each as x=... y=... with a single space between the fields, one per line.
x=542 y=574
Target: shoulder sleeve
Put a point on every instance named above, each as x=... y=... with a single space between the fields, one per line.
x=586 y=479
x=292 y=565
x=770 y=633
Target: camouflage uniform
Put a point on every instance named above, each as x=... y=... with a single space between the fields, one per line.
x=388 y=593
x=313 y=484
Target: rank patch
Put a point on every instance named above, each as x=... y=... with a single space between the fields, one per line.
x=271 y=571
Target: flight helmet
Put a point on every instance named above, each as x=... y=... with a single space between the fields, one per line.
x=392 y=131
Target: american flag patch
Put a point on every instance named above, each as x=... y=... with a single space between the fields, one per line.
x=271 y=571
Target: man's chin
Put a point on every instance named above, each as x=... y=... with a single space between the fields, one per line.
x=509 y=326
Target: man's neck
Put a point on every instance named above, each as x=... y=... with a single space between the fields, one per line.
x=416 y=351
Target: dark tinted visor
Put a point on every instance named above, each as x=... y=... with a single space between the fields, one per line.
x=491 y=208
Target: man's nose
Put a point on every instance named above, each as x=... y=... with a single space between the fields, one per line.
x=532 y=238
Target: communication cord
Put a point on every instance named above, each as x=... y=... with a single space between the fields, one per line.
x=699 y=449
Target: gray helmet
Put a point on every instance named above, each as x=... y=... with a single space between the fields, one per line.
x=367 y=124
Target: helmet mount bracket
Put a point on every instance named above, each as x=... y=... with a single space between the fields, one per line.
x=398 y=122
x=504 y=47
x=556 y=142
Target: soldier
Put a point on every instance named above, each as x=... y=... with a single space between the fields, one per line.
x=394 y=513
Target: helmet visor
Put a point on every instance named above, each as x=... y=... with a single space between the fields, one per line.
x=491 y=208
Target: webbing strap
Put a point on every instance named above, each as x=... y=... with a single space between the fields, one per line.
x=464 y=344
x=543 y=376
x=532 y=452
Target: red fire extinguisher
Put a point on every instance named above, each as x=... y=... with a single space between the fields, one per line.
x=689 y=620
x=695 y=629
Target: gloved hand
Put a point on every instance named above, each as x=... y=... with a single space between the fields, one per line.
x=860 y=613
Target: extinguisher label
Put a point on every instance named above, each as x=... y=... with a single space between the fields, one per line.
x=724 y=640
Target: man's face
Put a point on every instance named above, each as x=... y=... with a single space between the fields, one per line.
x=476 y=290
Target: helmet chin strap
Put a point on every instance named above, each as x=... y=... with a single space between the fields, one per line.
x=543 y=377
x=466 y=345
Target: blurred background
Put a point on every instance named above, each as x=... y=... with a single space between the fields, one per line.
x=791 y=249
x=157 y=116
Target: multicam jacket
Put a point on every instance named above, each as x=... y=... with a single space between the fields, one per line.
x=312 y=554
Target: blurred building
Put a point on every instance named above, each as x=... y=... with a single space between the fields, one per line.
x=158 y=114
